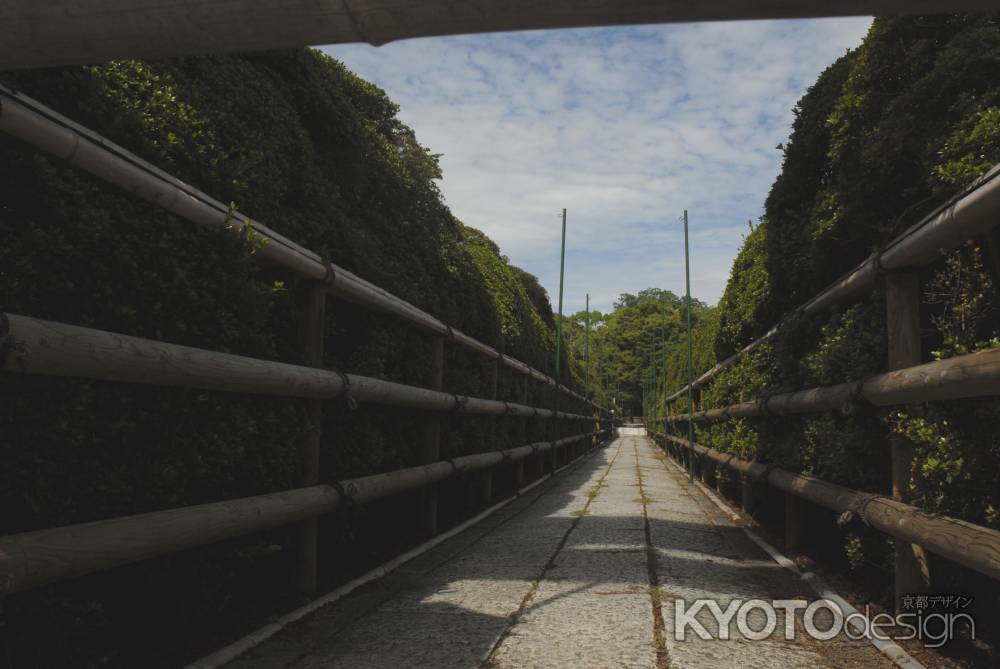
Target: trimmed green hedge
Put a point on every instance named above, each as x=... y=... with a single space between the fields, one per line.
x=298 y=142
x=887 y=133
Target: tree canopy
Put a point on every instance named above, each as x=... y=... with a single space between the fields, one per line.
x=625 y=344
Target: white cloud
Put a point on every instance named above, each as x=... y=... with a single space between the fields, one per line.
x=625 y=127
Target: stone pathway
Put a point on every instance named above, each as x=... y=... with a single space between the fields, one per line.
x=580 y=572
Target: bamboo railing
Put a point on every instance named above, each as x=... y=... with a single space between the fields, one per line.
x=48 y=131
x=972 y=375
x=56 y=349
x=39 y=347
x=965 y=543
x=973 y=211
x=33 y=559
x=965 y=215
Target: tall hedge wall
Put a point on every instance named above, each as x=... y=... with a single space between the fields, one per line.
x=887 y=133
x=298 y=142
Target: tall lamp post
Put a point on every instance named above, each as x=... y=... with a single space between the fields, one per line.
x=562 y=266
x=687 y=281
x=586 y=352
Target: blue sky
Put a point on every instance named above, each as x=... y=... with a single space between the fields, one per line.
x=625 y=127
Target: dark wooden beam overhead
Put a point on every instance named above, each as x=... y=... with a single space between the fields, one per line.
x=42 y=33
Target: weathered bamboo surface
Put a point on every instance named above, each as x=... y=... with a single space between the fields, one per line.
x=310 y=333
x=45 y=129
x=967 y=544
x=32 y=559
x=972 y=375
x=37 y=346
x=911 y=571
x=69 y=32
x=969 y=213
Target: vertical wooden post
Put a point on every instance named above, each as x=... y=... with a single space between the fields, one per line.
x=795 y=524
x=556 y=430
x=540 y=434
x=703 y=467
x=710 y=473
x=596 y=439
x=485 y=484
x=561 y=455
x=430 y=446
x=573 y=428
x=311 y=313
x=692 y=456
x=553 y=460
x=701 y=464
x=522 y=428
x=565 y=453
x=902 y=300
x=748 y=494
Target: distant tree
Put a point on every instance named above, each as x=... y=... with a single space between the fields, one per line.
x=538 y=295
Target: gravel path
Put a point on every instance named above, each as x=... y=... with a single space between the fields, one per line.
x=580 y=572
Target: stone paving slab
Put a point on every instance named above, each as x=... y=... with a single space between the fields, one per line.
x=583 y=571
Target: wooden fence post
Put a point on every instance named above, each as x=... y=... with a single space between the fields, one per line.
x=540 y=458
x=795 y=522
x=311 y=313
x=709 y=473
x=484 y=486
x=748 y=494
x=701 y=464
x=430 y=447
x=521 y=380
x=902 y=300
x=692 y=457
x=552 y=460
x=595 y=426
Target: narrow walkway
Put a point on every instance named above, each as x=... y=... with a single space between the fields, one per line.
x=580 y=572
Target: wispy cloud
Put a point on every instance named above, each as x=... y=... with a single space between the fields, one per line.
x=625 y=127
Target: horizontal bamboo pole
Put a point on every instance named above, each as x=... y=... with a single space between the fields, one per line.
x=971 y=212
x=70 y=32
x=32 y=559
x=35 y=346
x=967 y=544
x=48 y=131
x=972 y=375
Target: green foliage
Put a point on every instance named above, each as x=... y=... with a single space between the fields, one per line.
x=520 y=323
x=885 y=135
x=704 y=331
x=630 y=345
x=850 y=345
x=296 y=141
x=745 y=297
x=965 y=154
x=623 y=345
x=538 y=296
x=962 y=298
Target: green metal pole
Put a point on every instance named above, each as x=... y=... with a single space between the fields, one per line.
x=666 y=317
x=651 y=383
x=562 y=266
x=586 y=351
x=687 y=280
